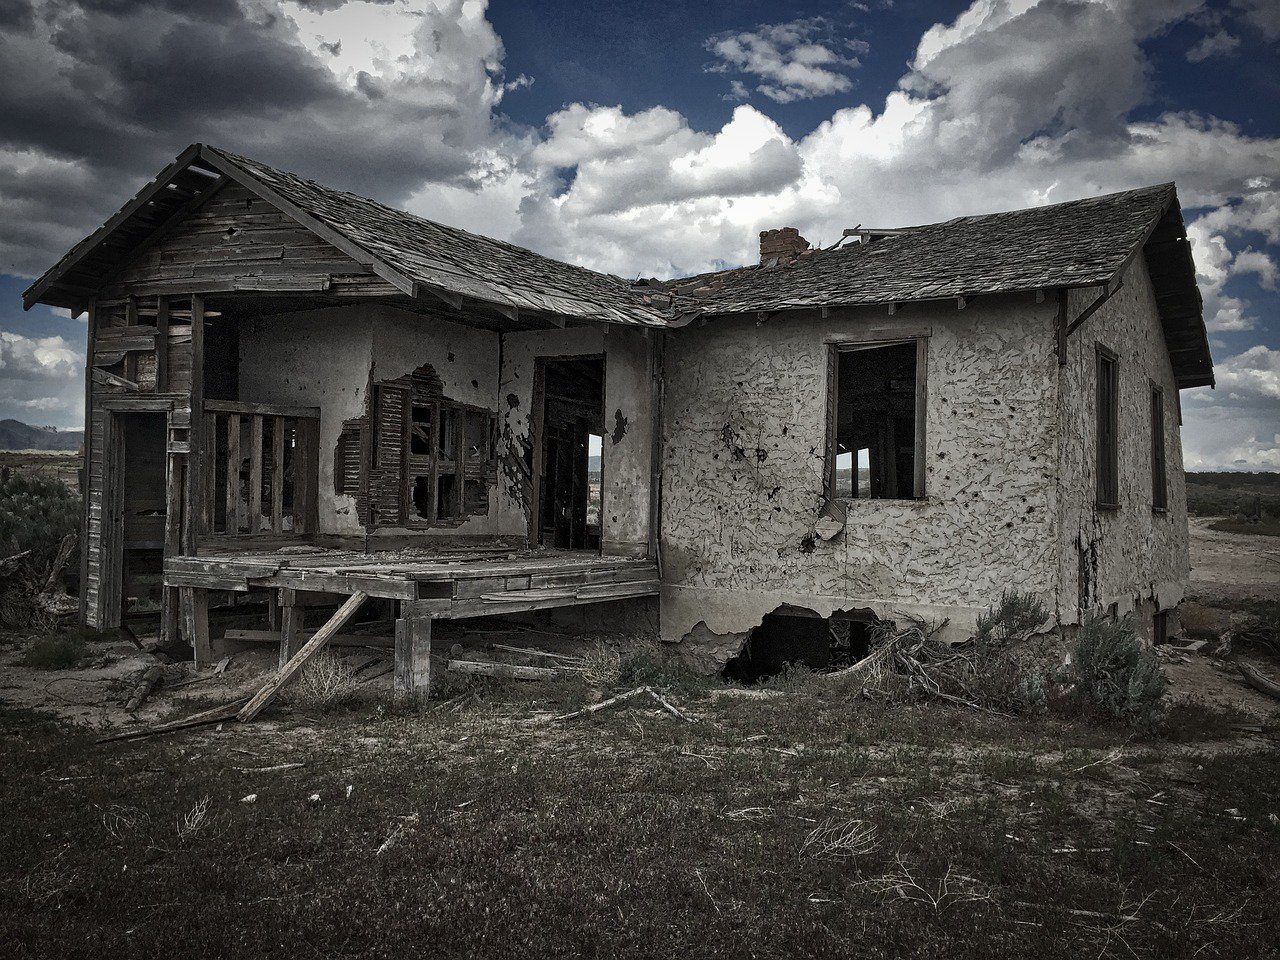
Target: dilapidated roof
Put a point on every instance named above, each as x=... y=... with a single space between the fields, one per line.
x=1081 y=243
x=1075 y=244
x=453 y=260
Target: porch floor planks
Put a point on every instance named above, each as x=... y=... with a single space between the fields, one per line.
x=458 y=581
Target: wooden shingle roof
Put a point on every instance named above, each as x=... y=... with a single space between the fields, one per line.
x=1081 y=243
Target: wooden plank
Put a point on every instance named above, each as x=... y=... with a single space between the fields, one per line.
x=262 y=409
x=299 y=659
x=111 y=380
x=413 y=656
x=92 y=320
x=338 y=640
x=255 y=474
x=233 y=473
x=277 y=475
x=507 y=671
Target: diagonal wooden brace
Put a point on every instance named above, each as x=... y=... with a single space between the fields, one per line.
x=299 y=659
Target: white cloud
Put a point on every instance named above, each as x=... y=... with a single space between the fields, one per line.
x=1262 y=14
x=1257 y=262
x=44 y=358
x=1255 y=372
x=1217 y=44
x=798 y=60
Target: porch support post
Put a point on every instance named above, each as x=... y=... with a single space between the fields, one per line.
x=413 y=652
x=290 y=624
x=194 y=603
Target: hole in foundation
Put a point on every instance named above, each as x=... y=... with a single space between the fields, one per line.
x=795 y=635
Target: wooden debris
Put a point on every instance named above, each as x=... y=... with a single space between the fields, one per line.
x=1258 y=681
x=509 y=671
x=338 y=640
x=142 y=689
x=299 y=659
x=622 y=698
x=204 y=718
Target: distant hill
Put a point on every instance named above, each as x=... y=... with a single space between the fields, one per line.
x=16 y=435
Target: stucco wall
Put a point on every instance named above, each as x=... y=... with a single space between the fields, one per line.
x=626 y=456
x=744 y=437
x=322 y=358
x=1134 y=556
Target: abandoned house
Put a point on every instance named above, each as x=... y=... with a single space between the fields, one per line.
x=296 y=393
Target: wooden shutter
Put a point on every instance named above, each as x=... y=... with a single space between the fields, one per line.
x=386 y=476
x=1159 y=480
x=1107 y=466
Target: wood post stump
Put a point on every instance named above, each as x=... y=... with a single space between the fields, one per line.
x=193 y=604
x=413 y=652
x=290 y=620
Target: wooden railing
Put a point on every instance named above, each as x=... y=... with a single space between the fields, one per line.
x=260 y=468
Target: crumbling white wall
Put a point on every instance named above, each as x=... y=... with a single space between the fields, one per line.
x=322 y=358
x=743 y=466
x=1133 y=557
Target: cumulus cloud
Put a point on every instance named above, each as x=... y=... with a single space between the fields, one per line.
x=1257 y=262
x=94 y=98
x=46 y=358
x=798 y=60
x=1235 y=425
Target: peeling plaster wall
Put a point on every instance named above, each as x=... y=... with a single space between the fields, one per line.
x=322 y=358
x=1134 y=557
x=627 y=458
x=743 y=467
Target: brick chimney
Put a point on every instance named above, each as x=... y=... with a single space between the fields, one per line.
x=783 y=245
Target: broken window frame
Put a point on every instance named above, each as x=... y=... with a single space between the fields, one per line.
x=1159 y=460
x=391 y=459
x=1107 y=454
x=835 y=347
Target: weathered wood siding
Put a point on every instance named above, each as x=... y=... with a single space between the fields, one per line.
x=244 y=240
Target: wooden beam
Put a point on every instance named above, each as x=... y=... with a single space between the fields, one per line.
x=162 y=345
x=508 y=671
x=922 y=397
x=1060 y=328
x=299 y=659
x=1107 y=293
x=262 y=409
x=192 y=529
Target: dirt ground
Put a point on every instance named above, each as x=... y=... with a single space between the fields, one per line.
x=797 y=819
x=1227 y=566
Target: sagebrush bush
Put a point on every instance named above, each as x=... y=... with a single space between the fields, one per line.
x=1015 y=615
x=1116 y=674
x=57 y=651
x=327 y=682
x=35 y=514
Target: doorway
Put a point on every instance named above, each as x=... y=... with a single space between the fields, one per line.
x=569 y=420
x=134 y=575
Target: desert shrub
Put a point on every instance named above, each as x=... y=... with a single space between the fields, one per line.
x=645 y=662
x=327 y=682
x=56 y=651
x=1115 y=674
x=1015 y=615
x=601 y=665
x=35 y=514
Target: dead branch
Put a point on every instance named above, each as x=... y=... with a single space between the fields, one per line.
x=142 y=689
x=1258 y=681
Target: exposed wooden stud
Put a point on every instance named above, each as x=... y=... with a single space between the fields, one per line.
x=192 y=513
x=961 y=303
x=92 y=322
x=233 y=473
x=922 y=398
x=277 y=475
x=893 y=308
x=255 y=474
x=299 y=659
x=162 y=345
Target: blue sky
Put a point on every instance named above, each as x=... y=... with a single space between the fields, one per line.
x=657 y=138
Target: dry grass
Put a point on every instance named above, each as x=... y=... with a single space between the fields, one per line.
x=327 y=682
